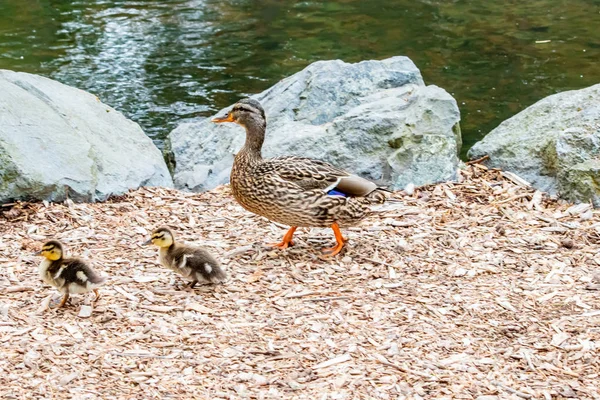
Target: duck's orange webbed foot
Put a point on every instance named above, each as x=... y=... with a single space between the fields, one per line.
x=287 y=239
x=340 y=240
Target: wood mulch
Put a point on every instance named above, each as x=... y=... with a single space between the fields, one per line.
x=478 y=289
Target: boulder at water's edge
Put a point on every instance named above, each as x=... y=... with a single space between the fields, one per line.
x=554 y=144
x=373 y=118
x=58 y=141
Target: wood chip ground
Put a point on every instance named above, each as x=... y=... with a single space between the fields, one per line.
x=480 y=289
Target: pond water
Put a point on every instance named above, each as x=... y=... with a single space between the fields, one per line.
x=165 y=62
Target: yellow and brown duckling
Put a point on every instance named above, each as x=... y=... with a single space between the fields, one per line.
x=68 y=275
x=193 y=263
x=295 y=191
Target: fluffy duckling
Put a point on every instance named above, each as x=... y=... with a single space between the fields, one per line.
x=193 y=263
x=68 y=275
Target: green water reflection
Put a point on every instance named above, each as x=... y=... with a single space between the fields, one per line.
x=164 y=62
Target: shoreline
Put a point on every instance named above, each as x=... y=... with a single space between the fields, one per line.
x=475 y=288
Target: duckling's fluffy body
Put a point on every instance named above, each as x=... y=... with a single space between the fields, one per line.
x=195 y=264
x=68 y=275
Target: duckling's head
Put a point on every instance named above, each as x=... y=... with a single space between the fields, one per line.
x=52 y=250
x=161 y=237
x=246 y=112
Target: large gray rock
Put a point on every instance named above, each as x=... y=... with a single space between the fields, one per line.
x=56 y=139
x=374 y=118
x=554 y=144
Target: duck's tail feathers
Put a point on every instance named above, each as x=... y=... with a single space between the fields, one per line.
x=379 y=196
x=215 y=272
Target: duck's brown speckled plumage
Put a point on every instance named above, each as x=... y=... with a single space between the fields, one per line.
x=294 y=190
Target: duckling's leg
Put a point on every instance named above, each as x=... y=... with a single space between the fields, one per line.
x=64 y=300
x=192 y=284
x=287 y=239
x=97 y=295
x=332 y=251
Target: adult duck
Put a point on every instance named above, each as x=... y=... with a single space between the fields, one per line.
x=291 y=190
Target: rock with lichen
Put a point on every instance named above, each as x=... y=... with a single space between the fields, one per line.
x=374 y=118
x=554 y=144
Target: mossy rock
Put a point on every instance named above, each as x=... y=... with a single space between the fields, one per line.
x=374 y=118
x=554 y=144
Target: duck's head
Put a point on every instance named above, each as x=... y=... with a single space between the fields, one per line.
x=246 y=112
x=161 y=237
x=52 y=250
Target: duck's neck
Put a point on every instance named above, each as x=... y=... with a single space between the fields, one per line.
x=166 y=253
x=255 y=136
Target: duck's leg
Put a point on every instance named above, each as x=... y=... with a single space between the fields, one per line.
x=287 y=239
x=64 y=300
x=192 y=284
x=340 y=240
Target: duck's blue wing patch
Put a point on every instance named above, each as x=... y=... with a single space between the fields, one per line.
x=334 y=192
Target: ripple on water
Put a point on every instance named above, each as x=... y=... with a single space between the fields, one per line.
x=163 y=62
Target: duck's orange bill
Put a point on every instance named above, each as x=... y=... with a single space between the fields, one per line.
x=227 y=118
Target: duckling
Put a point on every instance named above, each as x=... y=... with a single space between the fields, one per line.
x=193 y=263
x=68 y=275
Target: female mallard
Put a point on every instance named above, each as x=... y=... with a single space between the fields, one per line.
x=294 y=191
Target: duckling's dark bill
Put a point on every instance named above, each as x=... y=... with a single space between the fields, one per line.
x=227 y=118
x=38 y=253
x=147 y=242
